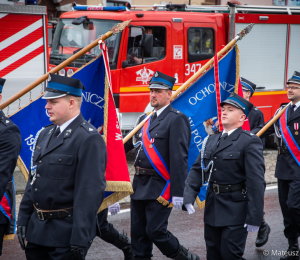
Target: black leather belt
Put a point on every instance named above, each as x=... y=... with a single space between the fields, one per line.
x=51 y=214
x=218 y=188
x=143 y=171
x=282 y=150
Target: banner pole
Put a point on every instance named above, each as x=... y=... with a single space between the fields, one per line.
x=116 y=29
x=271 y=122
x=239 y=36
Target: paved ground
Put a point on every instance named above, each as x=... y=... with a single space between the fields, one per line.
x=189 y=231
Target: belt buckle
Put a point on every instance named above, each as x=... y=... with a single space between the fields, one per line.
x=216 y=189
x=40 y=214
x=137 y=170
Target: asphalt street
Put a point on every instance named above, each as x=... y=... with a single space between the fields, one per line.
x=188 y=229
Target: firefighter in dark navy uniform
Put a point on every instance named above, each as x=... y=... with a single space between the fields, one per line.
x=10 y=146
x=288 y=166
x=112 y=236
x=256 y=118
x=235 y=172
x=58 y=213
x=161 y=168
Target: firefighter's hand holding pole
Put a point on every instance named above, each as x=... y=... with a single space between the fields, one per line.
x=239 y=36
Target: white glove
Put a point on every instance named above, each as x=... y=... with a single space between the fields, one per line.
x=177 y=202
x=251 y=228
x=190 y=208
x=114 y=209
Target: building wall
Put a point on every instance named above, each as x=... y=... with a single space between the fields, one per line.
x=250 y=2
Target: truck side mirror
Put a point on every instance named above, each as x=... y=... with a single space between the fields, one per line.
x=124 y=64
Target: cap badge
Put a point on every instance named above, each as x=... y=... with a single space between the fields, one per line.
x=156 y=75
x=91 y=129
x=49 y=78
x=7 y=121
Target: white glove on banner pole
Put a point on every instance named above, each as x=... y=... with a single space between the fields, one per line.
x=114 y=209
x=190 y=208
x=177 y=202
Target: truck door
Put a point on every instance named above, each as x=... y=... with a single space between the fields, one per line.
x=139 y=64
x=200 y=46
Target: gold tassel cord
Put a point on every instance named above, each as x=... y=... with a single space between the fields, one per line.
x=237 y=70
x=201 y=204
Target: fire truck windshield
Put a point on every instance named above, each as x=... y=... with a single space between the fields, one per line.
x=69 y=39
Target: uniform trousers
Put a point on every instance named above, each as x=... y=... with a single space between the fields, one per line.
x=149 y=222
x=107 y=231
x=225 y=243
x=4 y=223
x=289 y=199
x=38 y=252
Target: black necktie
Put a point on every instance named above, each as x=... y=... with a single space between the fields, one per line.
x=223 y=137
x=153 y=117
x=291 y=110
x=55 y=134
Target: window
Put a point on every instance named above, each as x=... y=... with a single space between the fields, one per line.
x=200 y=44
x=146 y=44
x=113 y=3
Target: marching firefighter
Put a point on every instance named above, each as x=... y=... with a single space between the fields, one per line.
x=58 y=213
x=234 y=168
x=288 y=165
x=112 y=236
x=161 y=168
x=10 y=146
x=256 y=118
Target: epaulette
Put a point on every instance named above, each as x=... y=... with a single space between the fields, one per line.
x=88 y=127
x=6 y=121
x=248 y=133
x=48 y=125
x=174 y=110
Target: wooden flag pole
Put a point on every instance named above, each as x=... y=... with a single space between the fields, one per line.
x=271 y=122
x=118 y=28
x=239 y=36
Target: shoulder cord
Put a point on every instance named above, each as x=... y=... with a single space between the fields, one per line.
x=210 y=164
x=33 y=168
x=277 y=132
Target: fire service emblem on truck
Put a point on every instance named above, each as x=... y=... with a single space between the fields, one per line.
x=144 y=75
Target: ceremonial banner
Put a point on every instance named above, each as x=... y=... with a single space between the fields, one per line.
x=199 y=103
x=98 y=108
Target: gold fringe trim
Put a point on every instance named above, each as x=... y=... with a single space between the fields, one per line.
x=9 y=237
x=119 y=186
x=201 y=204
x=237 y=69
x=113 y=198
x=21 y=165
x=161 y=200
x=106 y=92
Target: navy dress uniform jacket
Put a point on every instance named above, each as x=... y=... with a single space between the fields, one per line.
x=10 y=146
x=256 y=118
x=286 y=166
x=238 y=159
x=172 y=135
x=70 y=173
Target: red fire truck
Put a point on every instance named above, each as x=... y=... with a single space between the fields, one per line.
x=23 y=49
x=178 y=40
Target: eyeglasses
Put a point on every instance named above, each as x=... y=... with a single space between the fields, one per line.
x=292 y=88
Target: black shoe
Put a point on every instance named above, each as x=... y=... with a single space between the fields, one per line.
x=263 y=234
x=124 y=243
x=185 y=254
x=293 y=251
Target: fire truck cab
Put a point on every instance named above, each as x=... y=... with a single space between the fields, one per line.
x=178 y=40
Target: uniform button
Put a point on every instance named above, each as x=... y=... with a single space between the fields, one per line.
x=38 y=176
x=230 y=155
x=36 y=204
x=140 y=160
x=40 y=161
x=35 y=189
x=215 y=170
x=215 y=158
x=59 y=160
